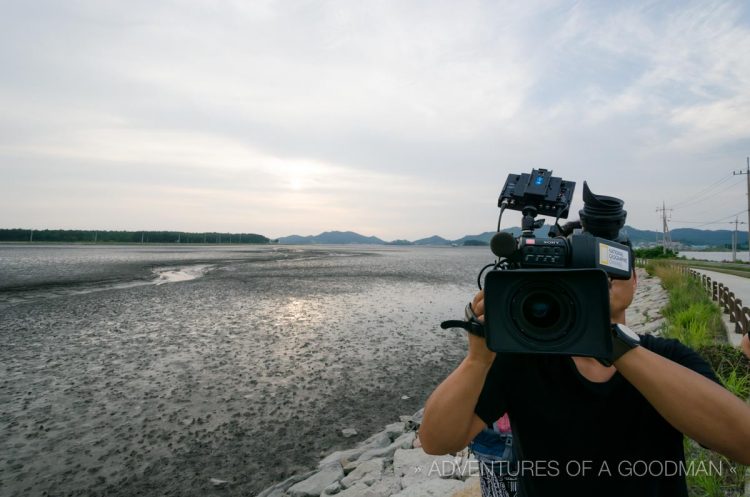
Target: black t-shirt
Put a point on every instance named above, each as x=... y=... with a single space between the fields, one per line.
x=574 y=437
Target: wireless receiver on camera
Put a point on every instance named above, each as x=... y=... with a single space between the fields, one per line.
x=551 y=295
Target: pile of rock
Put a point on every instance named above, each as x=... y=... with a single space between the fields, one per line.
x=389 y=463
x=645 y=313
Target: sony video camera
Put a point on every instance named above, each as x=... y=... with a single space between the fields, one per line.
x=551 y=295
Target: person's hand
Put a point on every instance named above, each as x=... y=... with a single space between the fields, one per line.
x=477 y=345
x=745 y=345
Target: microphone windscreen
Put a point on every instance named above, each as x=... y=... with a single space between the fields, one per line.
x=503 y=244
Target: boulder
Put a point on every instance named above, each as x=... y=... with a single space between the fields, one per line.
x=395 y=429
x=315 y=484
x=343 y=457
x=383 y=488
x=404 y=441
x=471 y=488
x=349 y=432
x=372 y=469
x=415 y=420
x=414 y=466
x=431 y=488
x=280 y=488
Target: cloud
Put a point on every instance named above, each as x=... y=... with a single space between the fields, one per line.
x=399 y=118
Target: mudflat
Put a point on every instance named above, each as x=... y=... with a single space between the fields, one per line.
x=246 y=374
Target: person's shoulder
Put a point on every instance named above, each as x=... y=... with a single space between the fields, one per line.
x=678 y=352
x=664 y=346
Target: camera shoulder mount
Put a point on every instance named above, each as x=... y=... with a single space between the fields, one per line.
x=470 y=324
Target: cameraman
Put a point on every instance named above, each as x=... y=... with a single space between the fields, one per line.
x=578 y=425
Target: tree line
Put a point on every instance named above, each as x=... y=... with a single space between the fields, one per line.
x=105 y=236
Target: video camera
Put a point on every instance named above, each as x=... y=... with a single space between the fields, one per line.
x=551 y=295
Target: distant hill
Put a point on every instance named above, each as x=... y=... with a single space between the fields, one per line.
x=433 y=240
x=685 y=236
x=332 y=237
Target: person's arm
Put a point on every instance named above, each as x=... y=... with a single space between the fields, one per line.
x=693 y=404
x=745 y=345
x=449 y=421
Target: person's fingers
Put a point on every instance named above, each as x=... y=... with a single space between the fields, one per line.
x=478 y=306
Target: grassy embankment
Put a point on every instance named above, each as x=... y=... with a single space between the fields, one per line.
x=694 y=319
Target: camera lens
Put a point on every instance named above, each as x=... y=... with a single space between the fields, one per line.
x=543 y=311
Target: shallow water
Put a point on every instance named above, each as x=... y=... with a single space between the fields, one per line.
x=247 y=373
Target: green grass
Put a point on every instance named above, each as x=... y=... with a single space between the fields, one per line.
x=692 y=317
x=695 y=320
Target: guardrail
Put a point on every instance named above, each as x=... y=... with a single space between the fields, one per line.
x=722 y=295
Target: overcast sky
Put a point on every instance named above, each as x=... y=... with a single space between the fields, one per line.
x=397 y=119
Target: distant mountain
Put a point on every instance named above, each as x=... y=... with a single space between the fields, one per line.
x=331 y=237
x=433 y=240
x=485 y=237
x=685 y=236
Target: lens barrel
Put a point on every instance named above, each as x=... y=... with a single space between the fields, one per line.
x=542 y=311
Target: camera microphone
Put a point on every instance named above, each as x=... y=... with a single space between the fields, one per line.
x=503 y=244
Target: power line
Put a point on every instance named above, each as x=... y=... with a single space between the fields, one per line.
x=747 y=175
x=718 y=221
x=706 y=196
x=703 y=191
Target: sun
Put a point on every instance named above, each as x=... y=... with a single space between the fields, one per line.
x=296 y=184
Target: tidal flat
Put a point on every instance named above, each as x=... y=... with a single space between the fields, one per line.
x=114 y=385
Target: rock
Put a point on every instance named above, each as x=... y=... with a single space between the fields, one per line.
x=342 y=457
x=414 y=421
x=332 y=489
x=350 y=466
x=218 y=483
x=315 y=484
x=380 y=439
x=404 y=441
x=349 y=432
x=279 y=489
x=431 y=488
x=358 y=490
x=383 y=488
x=386 y=487
x=471 y=488
x=395 y=429
x=405 y=397
x=414 y=465
x=372 y=468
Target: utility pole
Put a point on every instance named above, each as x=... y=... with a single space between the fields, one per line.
x=31 y=236
x=735 y=238
x=746 y=172
x=666 y=237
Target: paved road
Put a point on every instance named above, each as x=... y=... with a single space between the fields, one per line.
x=741 y=288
